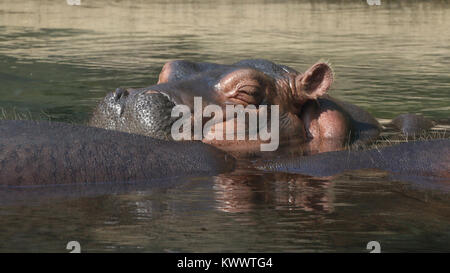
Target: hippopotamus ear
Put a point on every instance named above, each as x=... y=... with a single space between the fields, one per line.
x=315 y=82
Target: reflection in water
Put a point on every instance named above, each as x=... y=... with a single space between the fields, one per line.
x=60 y=60
x=237 y=212
x=246 y=192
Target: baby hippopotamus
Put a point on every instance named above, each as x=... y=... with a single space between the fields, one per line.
x=309 y=120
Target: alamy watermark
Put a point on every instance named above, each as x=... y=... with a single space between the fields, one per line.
x=73 y=2
x=213 y=129
x=374 y=2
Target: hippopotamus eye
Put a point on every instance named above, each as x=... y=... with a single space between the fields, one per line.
x=249 y=89
x=243 y=86
x=250 y=94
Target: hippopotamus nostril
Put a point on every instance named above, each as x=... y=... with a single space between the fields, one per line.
x=120 y=92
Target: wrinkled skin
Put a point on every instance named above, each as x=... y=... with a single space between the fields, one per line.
x=310 y=120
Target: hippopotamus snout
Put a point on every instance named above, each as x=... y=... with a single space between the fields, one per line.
x=132 y=111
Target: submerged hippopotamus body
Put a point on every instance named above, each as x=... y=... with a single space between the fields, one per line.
x=418 y=158
x=412 y=124
x=309 y=120
x=44 y=153
x=53 y=153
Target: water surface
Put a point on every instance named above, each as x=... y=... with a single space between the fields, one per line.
x=57 y=61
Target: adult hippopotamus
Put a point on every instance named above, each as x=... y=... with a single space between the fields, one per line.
x=51 y=153
x=310 y=121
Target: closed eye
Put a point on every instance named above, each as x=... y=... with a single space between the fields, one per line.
x=244 y=86
x=249 y=89
x=248 y=94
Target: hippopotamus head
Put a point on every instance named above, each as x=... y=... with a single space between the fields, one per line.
x=250 y=82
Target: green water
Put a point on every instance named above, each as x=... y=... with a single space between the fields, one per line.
x=57 y=61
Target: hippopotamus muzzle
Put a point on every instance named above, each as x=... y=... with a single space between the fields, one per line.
x=135 y=111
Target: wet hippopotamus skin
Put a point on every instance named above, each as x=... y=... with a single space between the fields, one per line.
x=419 y=158
x=311 y=121
x=52 y=153
x=412 y=124
x=37 y=153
